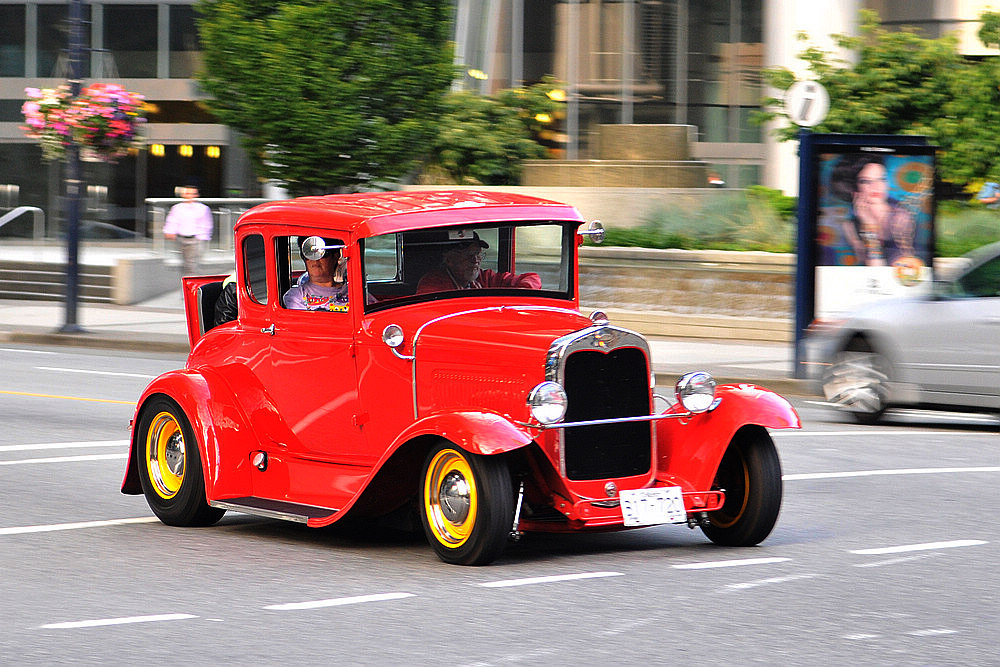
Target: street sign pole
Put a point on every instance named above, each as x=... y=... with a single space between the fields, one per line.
x=74 y=181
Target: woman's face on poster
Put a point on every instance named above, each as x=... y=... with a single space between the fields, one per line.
x=872 y=183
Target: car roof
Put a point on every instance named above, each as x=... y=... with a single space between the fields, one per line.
x=374 y=213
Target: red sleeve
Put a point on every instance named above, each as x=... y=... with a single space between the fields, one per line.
x=490 y=278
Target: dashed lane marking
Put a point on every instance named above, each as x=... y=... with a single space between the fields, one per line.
x=729 y=563
x=64 y=445
x=22 y=530
x=337 y=602
x=116 y=621
x=927 y=546
x=92 y=372
x=877 y=473
x=546 y=580
x=66 y=459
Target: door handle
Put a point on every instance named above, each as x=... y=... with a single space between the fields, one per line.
x=268 y=330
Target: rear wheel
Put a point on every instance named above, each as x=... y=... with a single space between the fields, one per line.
x=467 y=505
x=750 y=475
x=170 y=466
x=858 y=382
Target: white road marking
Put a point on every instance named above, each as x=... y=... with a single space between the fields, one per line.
x=336 y=602
x=862 y=635
x=764 y=582
x=863 y=431
x=64 y=445
x=21 y=530
x=81 y=370
x=67 y=459
x=545 y=580
x=116 y=621
x=932 y=632
x=893 y=561
x=876 y=473
x=927 y=546
x=14 y=349
x=729 y=563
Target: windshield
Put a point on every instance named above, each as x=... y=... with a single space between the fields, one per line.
x=500 y=259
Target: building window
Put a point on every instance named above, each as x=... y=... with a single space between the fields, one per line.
x=12 y=40
x=53 y=41
x=185 y=49
x=130 y=34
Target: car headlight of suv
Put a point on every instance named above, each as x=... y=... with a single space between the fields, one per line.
x=547 y=402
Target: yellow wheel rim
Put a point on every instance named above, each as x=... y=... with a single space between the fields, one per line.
x=742 y=494
x=450 y=498
x=165 y=455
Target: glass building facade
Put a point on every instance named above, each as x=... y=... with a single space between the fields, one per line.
x=151 y=48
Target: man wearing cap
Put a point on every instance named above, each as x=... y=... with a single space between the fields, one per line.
x=460 y=269
x=324 y=285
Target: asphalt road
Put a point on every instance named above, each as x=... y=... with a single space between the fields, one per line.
x=885 y=554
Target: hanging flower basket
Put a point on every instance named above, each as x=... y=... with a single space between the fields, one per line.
x=104 y=120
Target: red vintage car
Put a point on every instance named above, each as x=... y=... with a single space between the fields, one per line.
x=440 y=364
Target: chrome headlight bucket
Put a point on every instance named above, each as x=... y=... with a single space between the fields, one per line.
x=547 y=402
x=696 y=392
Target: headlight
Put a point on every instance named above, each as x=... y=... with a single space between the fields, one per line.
x=547 y=402
x=696 y=391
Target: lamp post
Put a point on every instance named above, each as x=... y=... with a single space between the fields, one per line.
x=74 y=182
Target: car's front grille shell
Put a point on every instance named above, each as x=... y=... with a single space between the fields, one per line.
x=605 y=372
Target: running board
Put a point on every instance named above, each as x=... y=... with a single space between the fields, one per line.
x=274 y=509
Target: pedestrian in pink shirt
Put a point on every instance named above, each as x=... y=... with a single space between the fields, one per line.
x=190 y=222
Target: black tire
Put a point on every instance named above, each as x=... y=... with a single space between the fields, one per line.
x=858 y=382
x=750 y=475
x=170 y=466
x=466 y=505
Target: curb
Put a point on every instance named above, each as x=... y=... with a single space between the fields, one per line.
x=86 y=340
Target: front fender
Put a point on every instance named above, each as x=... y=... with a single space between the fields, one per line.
x=476 y=432
x=215 y=416
x=689 y=449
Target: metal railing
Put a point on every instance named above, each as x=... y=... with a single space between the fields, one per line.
x=37 y=223
x=225 y=212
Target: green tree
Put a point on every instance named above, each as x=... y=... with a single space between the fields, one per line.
x=482 y=140
x=328 y=94
x=969 y=120
x=898 y=83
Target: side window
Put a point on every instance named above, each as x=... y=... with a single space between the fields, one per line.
x=983 y=281
x=255 y=267
x=316 y=284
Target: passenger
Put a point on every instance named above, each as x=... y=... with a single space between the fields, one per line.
x=460 y=269
x=225 y=305
x=324 y=285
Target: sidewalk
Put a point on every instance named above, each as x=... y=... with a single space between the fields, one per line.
x=158 y=325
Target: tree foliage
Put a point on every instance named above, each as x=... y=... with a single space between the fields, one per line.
x=482 y=140
x=900 y=82
x=328 y=94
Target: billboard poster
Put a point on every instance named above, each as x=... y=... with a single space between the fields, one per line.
x=874 y=224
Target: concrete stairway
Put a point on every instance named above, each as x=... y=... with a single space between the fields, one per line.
x=47 y=281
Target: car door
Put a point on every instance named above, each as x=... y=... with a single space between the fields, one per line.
x=950 y=343
x=310 y=377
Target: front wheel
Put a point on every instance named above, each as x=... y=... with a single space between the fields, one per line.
x=170 y=466
x=466 y=505
x=858 y=382
x=750 y=475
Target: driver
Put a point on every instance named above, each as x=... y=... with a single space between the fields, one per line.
x=460 y=268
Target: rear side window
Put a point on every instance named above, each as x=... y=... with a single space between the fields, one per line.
x=255 y=267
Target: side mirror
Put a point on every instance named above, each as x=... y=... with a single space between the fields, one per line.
x=315 y=247
x=594 y=231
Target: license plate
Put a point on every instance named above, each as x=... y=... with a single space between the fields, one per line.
x=648 y=507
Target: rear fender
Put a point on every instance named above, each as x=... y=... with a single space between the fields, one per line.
x=689 y=449
x=215 y=417
x=477 y=432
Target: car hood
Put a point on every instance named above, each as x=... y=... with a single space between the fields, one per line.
x=488 y=358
